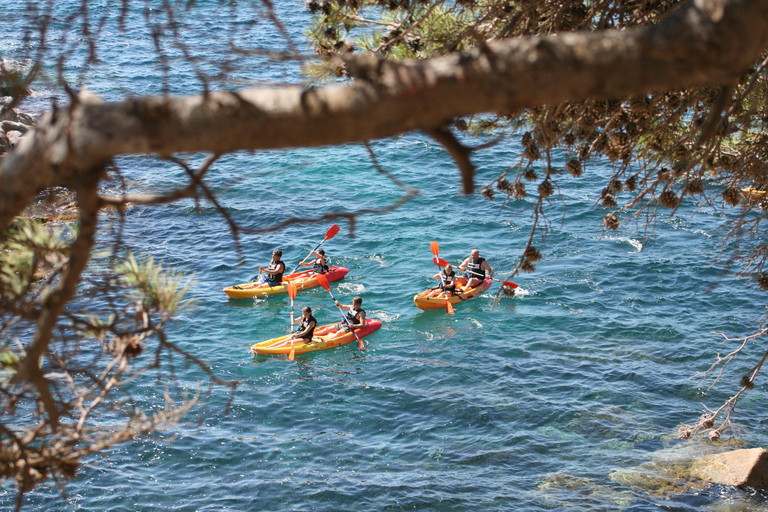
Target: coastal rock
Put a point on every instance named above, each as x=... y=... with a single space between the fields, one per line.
x=13 y=137
x=8 y=126
x=739 y=468
x=8 y=114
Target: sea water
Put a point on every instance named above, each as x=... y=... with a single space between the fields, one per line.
x=566 y=396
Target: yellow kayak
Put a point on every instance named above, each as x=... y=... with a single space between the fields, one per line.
x=318 y=342
x=753 y=194
x=302 y=280
x=423 y=302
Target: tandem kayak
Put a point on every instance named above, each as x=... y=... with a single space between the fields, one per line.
x=268 y=347
x=302 y=280
x=423 y=302
x=753 y=194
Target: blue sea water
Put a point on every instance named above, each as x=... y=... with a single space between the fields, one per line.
x=567 y=396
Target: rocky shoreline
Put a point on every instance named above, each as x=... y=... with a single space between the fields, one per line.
x=13 y=126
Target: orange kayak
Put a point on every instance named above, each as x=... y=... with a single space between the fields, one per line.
x=302 y=280
x=318 y=342
x=423 y=302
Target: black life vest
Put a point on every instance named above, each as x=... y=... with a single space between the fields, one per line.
x=353 y=316
x=305 y=323
x=319 y=268
x=274 y=276
x=448 y=281
x=474 y=269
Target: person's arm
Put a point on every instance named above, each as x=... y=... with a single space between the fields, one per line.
x=464 y=264
x=342 y=306
x=362 y=321
x=487 y=267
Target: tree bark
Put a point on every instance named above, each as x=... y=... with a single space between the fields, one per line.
x=709 y=42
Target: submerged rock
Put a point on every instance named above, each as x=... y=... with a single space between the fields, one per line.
x=738 y=468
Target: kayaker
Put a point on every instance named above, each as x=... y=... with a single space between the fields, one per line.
x=318 y=266
x=476 y=268
x=447 y=284
x=272 y=275
x=308 y=324
x=355 y=319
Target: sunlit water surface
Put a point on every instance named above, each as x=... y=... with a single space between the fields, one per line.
x=567 y=396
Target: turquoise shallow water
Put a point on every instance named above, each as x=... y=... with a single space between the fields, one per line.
x=539 y=403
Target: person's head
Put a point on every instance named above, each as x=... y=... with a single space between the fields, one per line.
x=276 y=254
x=448 y=269
x=475 y=254
x=307 y=311
x=357 y=302
x=321 y=252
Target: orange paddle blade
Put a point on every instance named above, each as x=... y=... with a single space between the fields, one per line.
x=440 y=262
x=448 y=306
x=509 y=284
x=323 y=282
x=435 y=248
x=332 y=232
x=292 y=290
x=292 y=353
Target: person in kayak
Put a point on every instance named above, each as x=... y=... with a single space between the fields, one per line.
x=355 y=319
x=476 y=268
x=447 y=286
x=308 y=324
x=318 y=266
x=271 y=275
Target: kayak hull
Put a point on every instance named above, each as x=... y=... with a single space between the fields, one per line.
x=423 y=302
x=303 y=280
x=267 y=347
x=753 y=194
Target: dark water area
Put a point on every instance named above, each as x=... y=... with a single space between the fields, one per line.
x=567 y=396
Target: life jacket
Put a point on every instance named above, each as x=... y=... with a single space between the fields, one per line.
x=305 y=323
x=274 y=276
x=353 y=316
x=474 y=269
x=448 y=281
x=319 y=268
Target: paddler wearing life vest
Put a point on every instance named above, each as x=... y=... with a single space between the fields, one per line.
x=319 y=266
x=354 y=319
x=271 y=275
x=476 y=268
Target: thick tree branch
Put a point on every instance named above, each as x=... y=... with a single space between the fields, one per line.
x=710 y=42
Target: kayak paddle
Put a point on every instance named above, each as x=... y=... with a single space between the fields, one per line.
x=328 y=235
x=324 y=283
x=292 y=294
x=441 y=263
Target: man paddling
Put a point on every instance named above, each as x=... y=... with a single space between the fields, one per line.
x=271 y=275
x=476 y=268
x=355 y=319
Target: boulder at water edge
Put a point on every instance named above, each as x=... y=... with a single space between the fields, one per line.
x=739 y=468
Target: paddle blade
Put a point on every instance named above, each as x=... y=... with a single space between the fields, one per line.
x=292 y=353
x=291 y=290
x=332 y=232
x=323 y=282
x=509 y=284
x=435 y=248
x=440 y=262
x=448 y=306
